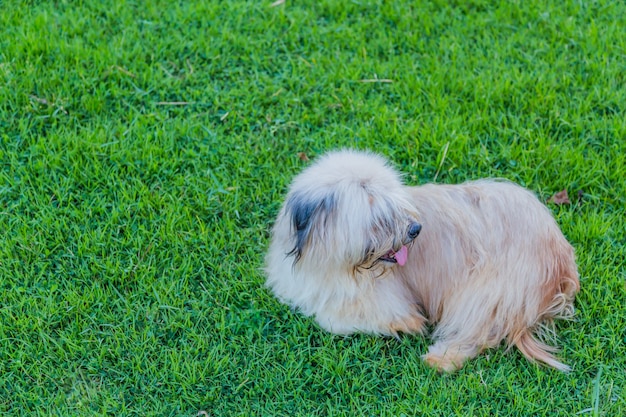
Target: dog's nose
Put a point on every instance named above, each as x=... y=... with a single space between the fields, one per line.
x=414 y=230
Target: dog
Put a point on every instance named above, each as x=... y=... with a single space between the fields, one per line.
x=483 y=262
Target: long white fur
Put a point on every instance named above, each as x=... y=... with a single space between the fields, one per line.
x=490 y=263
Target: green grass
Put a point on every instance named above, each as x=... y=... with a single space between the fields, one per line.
x=134 y=228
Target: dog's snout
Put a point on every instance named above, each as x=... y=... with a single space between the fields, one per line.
x=414 y=230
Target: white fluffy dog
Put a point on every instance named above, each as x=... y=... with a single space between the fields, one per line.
x=490 y=263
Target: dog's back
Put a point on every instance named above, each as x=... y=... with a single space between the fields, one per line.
x=501 y=258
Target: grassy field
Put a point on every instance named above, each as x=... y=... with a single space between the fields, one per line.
x=145 y=151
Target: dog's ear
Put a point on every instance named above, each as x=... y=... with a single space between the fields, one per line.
x=308 y=214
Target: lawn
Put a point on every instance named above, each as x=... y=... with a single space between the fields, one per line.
x=145 y=149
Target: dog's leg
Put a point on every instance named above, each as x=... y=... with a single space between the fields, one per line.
x=379 y=307
x=401 y=314
x=474 y=318
x=372 y=318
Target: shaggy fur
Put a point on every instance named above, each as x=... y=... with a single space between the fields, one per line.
x=489 y=264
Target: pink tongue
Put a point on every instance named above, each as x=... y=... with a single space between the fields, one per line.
x=401 y=255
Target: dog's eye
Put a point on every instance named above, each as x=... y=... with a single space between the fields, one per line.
x=414 y=230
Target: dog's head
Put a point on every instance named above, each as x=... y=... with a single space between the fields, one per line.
x=351 y=210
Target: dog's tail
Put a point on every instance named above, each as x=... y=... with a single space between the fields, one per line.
x=535 y=350
x=561 y=306
x=560 y=290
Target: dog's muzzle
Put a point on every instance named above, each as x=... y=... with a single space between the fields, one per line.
x=400 y=256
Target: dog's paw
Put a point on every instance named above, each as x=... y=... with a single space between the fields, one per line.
x=411 y=325
x=444 y=363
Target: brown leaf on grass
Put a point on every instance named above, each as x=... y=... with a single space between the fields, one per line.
x=277 y=3
x=303 y=156
x=560 y=198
